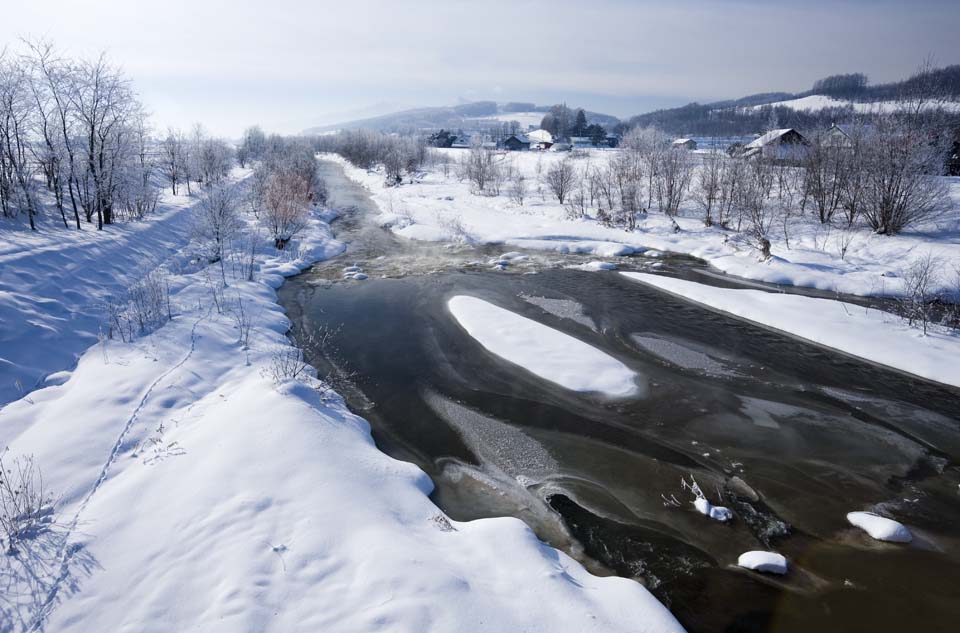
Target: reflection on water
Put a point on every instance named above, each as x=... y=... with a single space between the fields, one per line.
x=788 y=435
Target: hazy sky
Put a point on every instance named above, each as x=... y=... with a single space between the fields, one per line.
x=292 y=64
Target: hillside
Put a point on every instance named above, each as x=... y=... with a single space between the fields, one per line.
x=835 y=98
x=465 y=116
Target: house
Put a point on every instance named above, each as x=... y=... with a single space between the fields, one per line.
x=784 y=145
x=684 y=143
x=461 y=141
x=581 y=142
x=845 y=135
x=612 y=140
x=516 y=143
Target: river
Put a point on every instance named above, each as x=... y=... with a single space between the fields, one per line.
x=789 y=435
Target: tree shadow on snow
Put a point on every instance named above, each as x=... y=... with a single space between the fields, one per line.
x=42 y=571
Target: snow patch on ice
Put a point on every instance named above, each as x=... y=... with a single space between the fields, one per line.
x=842 y=326
x=541 y=350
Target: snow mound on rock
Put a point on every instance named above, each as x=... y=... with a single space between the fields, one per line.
x=879 y=527
x=769 y=562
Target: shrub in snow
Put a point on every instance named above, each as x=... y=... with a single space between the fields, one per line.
x=880 y=528
x=769 y=562
x=26 y=507
x=144 y=308
x=920 y=281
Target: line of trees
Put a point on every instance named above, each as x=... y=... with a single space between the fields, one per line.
x=74 y=128
x=366 y=149
x=75 y=140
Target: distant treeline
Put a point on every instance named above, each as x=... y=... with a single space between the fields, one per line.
x=749 y=115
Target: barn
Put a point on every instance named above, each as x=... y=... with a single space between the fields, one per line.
x=684 y=143
x=786 y=145
x=516 y=143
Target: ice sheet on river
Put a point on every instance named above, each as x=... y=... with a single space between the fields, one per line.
x=541 y=350
x=869 y=334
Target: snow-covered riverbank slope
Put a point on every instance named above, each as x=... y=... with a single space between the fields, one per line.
x=877 y=336
x=439 y=207
x=196 y=490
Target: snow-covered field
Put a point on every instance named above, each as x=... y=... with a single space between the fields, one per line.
x=869 y=334
x=812 y=103
x=198 y=492
x=436 y=207
x=525 y=119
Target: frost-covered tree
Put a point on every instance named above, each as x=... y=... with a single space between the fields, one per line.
x=218 y=222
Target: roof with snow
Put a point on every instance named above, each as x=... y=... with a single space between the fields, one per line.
x=773 y=136
x=540 y=136
x=683 y=141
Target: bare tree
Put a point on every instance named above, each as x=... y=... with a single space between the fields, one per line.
x=708 y=185
x=753 y=197
x=920 y=280
x=900 y=185
x=518 y=188
x=480 y=167
x=827 y=167
x=672 y=175
x=285 y=201
x=173 y=159
x=17 y=169
x=561 y=178
x=217 y=223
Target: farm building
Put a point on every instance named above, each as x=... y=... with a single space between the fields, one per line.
x=540 y=136
x=516 y=142
x=461 y=141
x=786 y=144
x=684 y=143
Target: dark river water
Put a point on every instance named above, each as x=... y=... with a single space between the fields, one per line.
x=788 y=435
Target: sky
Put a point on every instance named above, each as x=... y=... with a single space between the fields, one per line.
x=292 y=64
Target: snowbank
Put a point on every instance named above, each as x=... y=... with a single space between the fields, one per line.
x=869 y=334
x=541 y=350
x=769 y=562
x=435 y=207
x=200 y=491
x=879 y=527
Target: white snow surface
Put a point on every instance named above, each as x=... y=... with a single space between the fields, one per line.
x=542 y=350
x=880 y=528
x=195 y=493
x=813 y=103
x=434 y=207
x=717 y=513
x=846 y=327
x=769 y=562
